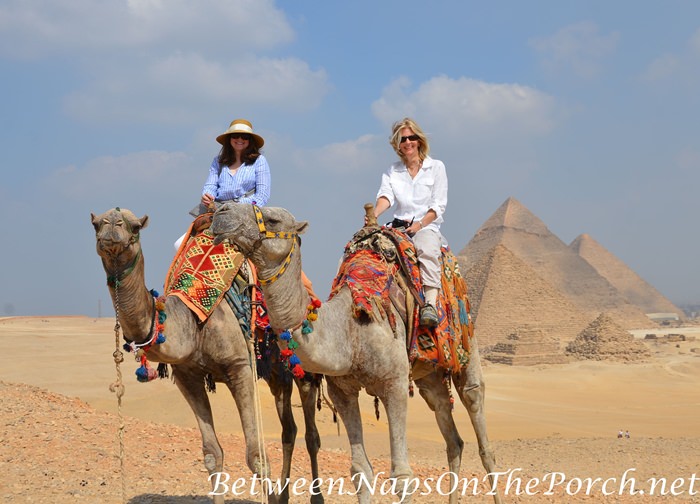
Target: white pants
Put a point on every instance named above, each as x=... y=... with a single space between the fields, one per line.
x=427 y=242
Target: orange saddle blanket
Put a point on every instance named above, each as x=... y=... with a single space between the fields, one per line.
x=202 y=272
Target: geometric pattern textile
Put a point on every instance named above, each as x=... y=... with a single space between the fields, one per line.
x=202 y=272
x=372 y=257
x=448 y=345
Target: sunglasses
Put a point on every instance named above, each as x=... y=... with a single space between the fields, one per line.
x=412 y=138
x=243 y=136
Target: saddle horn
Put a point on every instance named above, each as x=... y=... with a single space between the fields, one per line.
x=369 y=215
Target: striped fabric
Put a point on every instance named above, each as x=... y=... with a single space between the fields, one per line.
x=226 y=187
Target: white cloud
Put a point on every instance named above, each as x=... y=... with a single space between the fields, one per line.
x=577 y=48
x=38 y=28
x=680 y=66
x=182 y=86
x=134 y=175
x=467 y=108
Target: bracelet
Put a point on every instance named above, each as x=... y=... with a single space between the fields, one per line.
x=421 y=223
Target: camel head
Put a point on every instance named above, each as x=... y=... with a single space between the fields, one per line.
x=237 y=222
x=117 y=234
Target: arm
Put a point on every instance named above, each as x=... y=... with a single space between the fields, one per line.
x=211 y=185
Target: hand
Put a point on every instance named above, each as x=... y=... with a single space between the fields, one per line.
x=414 y=228
x=207 y=199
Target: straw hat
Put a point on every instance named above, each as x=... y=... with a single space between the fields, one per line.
x=241 y=126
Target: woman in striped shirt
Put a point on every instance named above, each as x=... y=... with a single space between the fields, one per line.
x=240 y=172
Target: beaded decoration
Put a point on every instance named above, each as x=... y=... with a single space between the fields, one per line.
x=145 y=372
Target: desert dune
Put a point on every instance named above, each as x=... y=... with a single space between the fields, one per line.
x=549 y=418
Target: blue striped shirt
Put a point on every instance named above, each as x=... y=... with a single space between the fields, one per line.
x=225 y=187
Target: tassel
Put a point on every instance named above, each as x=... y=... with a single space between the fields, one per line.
x=298 y=372
x=294 y=360
x=286 y=336
x=376 y=407
x=160 y=339
x=410 y=389
x=163 y=371
x=210 y=383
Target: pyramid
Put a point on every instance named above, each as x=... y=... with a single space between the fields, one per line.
x=528 y=346
x=505 y=294
x=603 y=339
x=527 y=237
x=635 y=289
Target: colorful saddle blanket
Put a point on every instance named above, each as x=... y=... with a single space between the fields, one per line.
x=371 y=260
x=202 y=272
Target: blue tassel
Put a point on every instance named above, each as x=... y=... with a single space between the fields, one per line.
x=127 y=347
x=142 y=374
x=160 y=339
x=294 y=360
x=154 y=293
x=286 y=336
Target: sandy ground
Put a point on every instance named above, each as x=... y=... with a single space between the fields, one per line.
x=58 y=428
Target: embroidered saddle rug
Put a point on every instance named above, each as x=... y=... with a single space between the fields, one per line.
x=373 y=261
x=202 y=272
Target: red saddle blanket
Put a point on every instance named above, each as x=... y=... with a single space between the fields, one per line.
x=202 y=272
x=372 y=259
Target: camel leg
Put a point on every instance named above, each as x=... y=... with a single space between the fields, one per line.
x=240 y=383
x=192 y=388
x=436 y=394
x=471 y=389
x=309 y=391
x=348 y=407
x=395 y=399
x=281 y=388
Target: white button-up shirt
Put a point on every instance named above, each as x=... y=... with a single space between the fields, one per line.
x=415 y=196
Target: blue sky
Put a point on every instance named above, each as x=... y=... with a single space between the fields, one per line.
x=586 y=112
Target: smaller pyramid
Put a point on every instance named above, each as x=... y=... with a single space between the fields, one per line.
x=603 y=339
x=635 y=289
x=528 y=346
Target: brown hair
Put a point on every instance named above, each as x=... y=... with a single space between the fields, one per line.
x=227 y=156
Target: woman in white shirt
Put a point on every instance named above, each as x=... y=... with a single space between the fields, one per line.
x=416 y=186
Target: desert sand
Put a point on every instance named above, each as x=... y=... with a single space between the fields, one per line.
x=59 y=425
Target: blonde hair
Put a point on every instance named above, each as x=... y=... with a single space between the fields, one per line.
x=395 y=139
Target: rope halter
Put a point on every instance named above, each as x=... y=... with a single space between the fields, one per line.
x=285 y=235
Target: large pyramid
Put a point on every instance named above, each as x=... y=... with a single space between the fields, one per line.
x=514 y=227
x=506 y=294
x=635 y=289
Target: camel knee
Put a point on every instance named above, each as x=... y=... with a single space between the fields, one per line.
x=211 y=463
x=474 y=397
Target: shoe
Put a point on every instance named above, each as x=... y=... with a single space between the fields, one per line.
x=428 y=316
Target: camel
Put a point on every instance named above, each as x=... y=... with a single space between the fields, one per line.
x=352 y=353
x=194 y=351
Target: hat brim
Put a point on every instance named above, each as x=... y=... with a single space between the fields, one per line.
x=259 y=141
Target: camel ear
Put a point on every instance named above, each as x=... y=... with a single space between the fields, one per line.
x=301 y=227
x=95 y=223
x=139 y=224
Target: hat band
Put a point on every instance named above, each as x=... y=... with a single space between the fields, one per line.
x=240 y=128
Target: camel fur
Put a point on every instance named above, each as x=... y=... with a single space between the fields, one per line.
x=354 y=353
x=217 y=348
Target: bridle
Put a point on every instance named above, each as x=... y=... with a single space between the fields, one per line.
x=264 y=235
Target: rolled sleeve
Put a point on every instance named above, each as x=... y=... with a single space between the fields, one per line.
x=385 y=189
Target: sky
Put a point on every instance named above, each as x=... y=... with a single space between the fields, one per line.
x=586 y=112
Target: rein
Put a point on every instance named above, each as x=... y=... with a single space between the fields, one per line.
x=264 y=235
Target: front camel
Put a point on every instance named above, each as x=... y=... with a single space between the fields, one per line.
x=353 y=353
x=217 y=349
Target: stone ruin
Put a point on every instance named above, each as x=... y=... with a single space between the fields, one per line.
x=603 y=339
x=527 y=346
